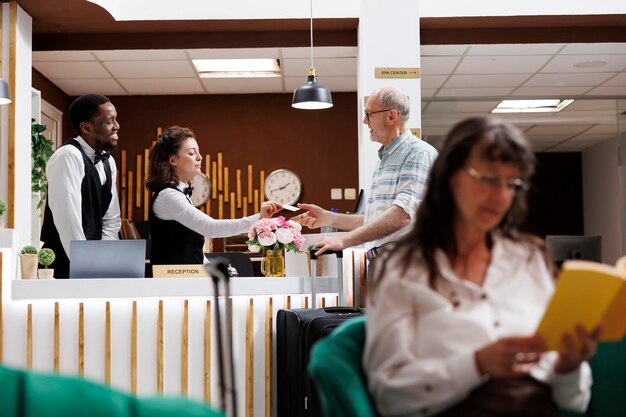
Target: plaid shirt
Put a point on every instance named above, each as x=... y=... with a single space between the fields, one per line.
x=399 y=179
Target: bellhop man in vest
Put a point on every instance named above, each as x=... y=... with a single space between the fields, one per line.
x=82 y=197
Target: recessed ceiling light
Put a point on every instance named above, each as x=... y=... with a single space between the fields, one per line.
x=237 y=68
x=532 y=106
x=590 y=64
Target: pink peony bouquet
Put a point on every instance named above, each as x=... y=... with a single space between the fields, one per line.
x=275 y=233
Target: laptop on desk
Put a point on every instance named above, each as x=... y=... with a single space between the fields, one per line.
x=107 y=258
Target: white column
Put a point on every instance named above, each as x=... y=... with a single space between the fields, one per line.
x=388 y=37
x=22 y=102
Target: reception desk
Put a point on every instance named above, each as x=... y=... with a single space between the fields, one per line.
x=152 y=336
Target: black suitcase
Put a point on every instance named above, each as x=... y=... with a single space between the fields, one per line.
x=296 y=331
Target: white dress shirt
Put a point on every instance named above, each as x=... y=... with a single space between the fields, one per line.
x=65 y=171
x=419 y=353
x=173 y=205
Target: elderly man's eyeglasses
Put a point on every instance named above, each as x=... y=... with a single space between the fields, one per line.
x=368 y=114
x=494 y=181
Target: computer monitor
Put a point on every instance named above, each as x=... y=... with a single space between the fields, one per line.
x=588 y=248
x=107 y=258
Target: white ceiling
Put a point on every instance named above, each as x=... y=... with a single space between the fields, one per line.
x=457 y=81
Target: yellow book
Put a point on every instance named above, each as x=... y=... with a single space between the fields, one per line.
x=587 y=293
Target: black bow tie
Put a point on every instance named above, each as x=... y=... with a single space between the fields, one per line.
x=101 y=156
x=187 y=191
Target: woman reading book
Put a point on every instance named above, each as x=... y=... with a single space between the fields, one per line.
x=453 y=307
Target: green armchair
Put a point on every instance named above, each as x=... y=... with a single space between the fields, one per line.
x=29 y=394
x=336 y=370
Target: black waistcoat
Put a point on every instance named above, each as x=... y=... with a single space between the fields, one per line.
x=95 y=200
x=171 y=243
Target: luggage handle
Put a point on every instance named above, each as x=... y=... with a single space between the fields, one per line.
x=312 y=251
x=339 y=254
x=342 y=310
x=218 y=270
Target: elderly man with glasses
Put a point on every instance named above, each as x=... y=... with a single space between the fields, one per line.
x=398 y=183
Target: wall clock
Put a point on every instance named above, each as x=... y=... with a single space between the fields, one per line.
x=283 y=186
x=201 y=189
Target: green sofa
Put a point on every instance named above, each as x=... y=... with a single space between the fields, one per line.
x=30 y=394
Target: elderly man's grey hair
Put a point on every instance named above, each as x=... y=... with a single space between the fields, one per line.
x=392 y=97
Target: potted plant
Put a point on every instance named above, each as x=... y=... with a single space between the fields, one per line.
x=41 y=152
x=3 y=209
x=46 y=257
x=29 y=262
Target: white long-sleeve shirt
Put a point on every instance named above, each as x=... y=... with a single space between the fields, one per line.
x=172 y=205
x=419 y=353
x=65 y=171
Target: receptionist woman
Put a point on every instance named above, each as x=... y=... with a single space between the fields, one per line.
x=177 y=228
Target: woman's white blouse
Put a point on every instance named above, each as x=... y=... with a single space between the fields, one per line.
x=420 y=345
x=173 y=205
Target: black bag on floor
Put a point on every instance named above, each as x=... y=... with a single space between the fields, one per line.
x=296 y=331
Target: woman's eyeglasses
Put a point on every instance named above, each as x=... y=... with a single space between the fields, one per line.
x=494 y=181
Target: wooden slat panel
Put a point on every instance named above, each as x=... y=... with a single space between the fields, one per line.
x=123 y=156
x=12 y=115
x=207 y=352
x=238 y=188
x=146 y=193
x=226 y=189
x=12 y=92
x=130 y=195
x=256 y=201
x=220 y=179
x=362 y=280
x=220 y=206
x=56 y=336
x=249 y=183
x=232 y=206
x=207 y=169
x=107 y=343
x=250 y=358
x=133 y=349
x=123 y=203
x=139 y=184
x=159 y=346
x=184 y=351
x=245 y=207
x=262 y=184
x=269 y=315
x=29 y=338
x=81 y=339
x=214 y=180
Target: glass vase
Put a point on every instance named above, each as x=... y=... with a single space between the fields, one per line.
x=273 y=264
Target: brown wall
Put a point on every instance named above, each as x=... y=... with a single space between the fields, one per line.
x=259 y=129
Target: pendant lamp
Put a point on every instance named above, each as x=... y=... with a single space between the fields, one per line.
x=312 y=96
x=4 y=93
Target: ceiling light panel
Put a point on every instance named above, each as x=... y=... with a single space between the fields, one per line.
x=237 y=68
x=532 y=106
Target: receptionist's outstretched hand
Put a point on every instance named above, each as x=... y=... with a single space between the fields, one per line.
x=269 y=208
x=313 y=218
